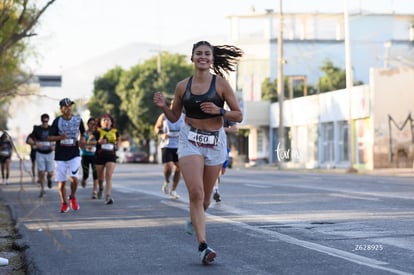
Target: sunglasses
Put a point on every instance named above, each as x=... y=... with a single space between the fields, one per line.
x=45 y=121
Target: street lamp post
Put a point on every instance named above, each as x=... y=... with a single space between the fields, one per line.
x=387 y=46
x=349 y=84
x=280 y=88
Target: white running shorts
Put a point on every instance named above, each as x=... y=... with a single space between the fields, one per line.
x=213 y=155
x=72 y=166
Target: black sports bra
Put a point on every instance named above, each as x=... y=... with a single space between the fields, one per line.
x=191 y=102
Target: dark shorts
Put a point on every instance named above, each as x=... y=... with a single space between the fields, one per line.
x=3 y=159
x=33 y=155
x=169 y=154
x=102 y=158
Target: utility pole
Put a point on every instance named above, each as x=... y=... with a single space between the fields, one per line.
x=349 y=84
x=387 y=46
x=280 y=88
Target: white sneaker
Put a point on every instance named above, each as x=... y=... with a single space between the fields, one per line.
x=207 y=256
x=174 y=195
x=165 y=188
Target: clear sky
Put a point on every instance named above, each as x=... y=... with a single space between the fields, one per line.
x=72 y=31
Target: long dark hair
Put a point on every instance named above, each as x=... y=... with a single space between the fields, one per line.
x=107 y=116
x=225 y=57
x=4 y=136
x=91 y=119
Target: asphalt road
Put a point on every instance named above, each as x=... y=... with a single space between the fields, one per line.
x=269 y=222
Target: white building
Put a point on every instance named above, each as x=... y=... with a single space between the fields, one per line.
x=317 y=126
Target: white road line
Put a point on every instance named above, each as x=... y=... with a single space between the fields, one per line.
x=258 y=185
x=361 y=260
x=354 y=197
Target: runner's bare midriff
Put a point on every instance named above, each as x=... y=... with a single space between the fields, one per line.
x=213 y=124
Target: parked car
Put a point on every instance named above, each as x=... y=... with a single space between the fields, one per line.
x=132 y=155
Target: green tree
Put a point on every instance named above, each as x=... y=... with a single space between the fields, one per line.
x=269 y=89
x=18 y=19
x=334 y=78
x=106 y=100
x=137 y=87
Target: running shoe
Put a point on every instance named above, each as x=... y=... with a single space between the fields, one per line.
x=189 y=228
x=216 y=196
x=207 y=256
x=42 y=193
x=83 y=183
x=74 y=204
x=174 y=195
x=49 y=183
x=94 y=196
x=165 y=188
x=100 y=193
x=109 y=200
x=64 y=208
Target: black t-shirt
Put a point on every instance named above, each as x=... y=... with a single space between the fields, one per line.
x=5 y=149
x=68 y=148
x=40 y=134
x=32 y=147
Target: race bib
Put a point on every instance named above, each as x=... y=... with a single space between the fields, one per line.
x=44 y=144
x=107 y=147
x=67 y=142
x=174 y=133
x=203 y=138
x=91 y=149
x=4 y=153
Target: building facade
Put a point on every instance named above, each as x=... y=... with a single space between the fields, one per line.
x=318 y=126
x=376 y=41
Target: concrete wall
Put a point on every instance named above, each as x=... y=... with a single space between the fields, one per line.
x=393 y=106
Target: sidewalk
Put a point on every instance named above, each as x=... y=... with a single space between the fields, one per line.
x=9 y=236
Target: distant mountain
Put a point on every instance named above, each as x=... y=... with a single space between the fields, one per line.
x=77 y=81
